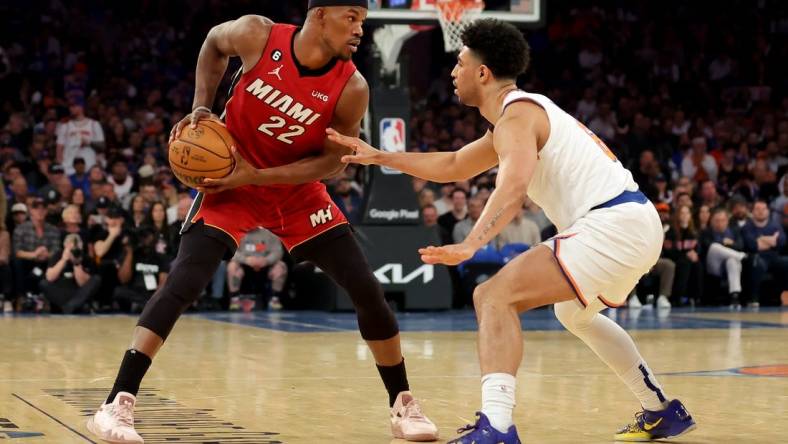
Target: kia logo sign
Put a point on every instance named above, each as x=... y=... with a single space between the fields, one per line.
x=392 y=274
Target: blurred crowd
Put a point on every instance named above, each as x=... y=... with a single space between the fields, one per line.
x=692 y=100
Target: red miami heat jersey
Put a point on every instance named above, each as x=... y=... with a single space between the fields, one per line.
x=278 y=112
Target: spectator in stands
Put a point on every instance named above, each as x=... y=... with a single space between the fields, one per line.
x=122 y=182
x=81 y=137
x=519 y=231
x=34 y=243
x=429 y=215
x=764 y=239
x=459 y=211
x=110 y=239
x=779 y=202
x=256 y=273
x=156 y=219
x=348 y=200
x=79 y=179
x=184 y=203
x=723 y=250
x=682 y=247
x=138 y=210
x=141 y=272
x=464 y=227
x=702 y=218
x=445 y=203
x=708 y=194
x=69 y=282
x=740 y=212
x=697 y=164
x=72 y=224
x=426 y=197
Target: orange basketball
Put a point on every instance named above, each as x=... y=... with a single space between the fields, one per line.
x=202 y=152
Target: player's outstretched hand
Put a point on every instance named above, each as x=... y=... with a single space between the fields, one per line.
x=448 y=254
x=362 y=153
x=201 y=113
x=242 y=174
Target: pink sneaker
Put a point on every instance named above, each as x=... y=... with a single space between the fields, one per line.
x=114 y=423
x=408 y=422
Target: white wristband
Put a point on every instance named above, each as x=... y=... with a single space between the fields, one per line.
x=202 y=108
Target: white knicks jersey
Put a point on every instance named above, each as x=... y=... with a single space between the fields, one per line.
x=575 y=170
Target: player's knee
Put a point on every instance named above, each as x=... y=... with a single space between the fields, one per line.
x=570 y=315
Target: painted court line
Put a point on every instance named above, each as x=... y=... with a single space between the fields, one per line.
x=53 y=418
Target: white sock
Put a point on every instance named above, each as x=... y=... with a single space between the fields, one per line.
x=645 y=387
x=498 y=399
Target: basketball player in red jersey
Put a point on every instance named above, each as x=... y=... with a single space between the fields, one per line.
x=295 y=82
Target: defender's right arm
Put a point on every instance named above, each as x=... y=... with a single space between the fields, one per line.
x=471 y=160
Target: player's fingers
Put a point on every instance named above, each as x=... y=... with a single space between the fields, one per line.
x=180 y=127
x=349 y=159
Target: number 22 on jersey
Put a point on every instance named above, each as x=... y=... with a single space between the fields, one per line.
x=276 y=123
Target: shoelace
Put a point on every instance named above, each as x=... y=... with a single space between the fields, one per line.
x=413 y=411
x=124 y=413
x=635 y=426
x=466 y=428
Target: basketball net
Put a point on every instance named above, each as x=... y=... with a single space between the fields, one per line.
x=454 y=16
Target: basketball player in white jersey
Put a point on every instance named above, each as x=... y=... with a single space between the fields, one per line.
x=609 y=233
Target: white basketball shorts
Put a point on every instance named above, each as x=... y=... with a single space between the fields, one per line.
x=606 y=252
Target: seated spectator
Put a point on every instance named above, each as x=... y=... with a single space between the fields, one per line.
x=256 y=273
x=34 y=243
x=519 y=231
x=109 y=239
x=682 y=248
x=463 y=228
x=348 y=200
x=723 y=250
x=708 y=194
x=458 y=212
x=184 y=204
x=157 y=220
x=740 y=212
x=122 y=182
x=702 y=218
x=536 y=214
x=697 y=164
x=79 y=179
x=444 y=204
x=426 y=197
x=141 y=272
x=764 y=239
x=70 y=282
x=138 y=210
x=429 y=216
x=72 y=223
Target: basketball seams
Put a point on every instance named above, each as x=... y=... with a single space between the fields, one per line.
x=226 y=144
x=206 y=149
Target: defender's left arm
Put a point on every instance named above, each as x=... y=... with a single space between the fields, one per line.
x=516 y=141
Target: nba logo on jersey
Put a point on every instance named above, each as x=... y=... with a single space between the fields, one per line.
x=392 y=138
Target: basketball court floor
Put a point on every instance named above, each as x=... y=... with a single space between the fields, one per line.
x=308 y=378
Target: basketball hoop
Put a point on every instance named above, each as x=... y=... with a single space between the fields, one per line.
x=454 y=16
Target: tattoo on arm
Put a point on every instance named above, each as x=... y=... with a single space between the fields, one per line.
x=491 y=224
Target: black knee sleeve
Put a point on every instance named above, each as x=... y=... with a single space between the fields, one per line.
x=199 y=255
x=338 y=254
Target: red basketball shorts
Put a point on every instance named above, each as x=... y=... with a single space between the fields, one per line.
x=295 y=214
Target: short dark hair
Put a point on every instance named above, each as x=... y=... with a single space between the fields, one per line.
x=499 y=45
x=459 y=190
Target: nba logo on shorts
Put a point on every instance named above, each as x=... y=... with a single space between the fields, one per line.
x=392 y=138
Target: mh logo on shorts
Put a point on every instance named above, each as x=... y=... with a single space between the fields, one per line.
x=392 y=139
x=321 y=216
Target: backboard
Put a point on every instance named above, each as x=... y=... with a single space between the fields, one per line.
x=423 y=12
